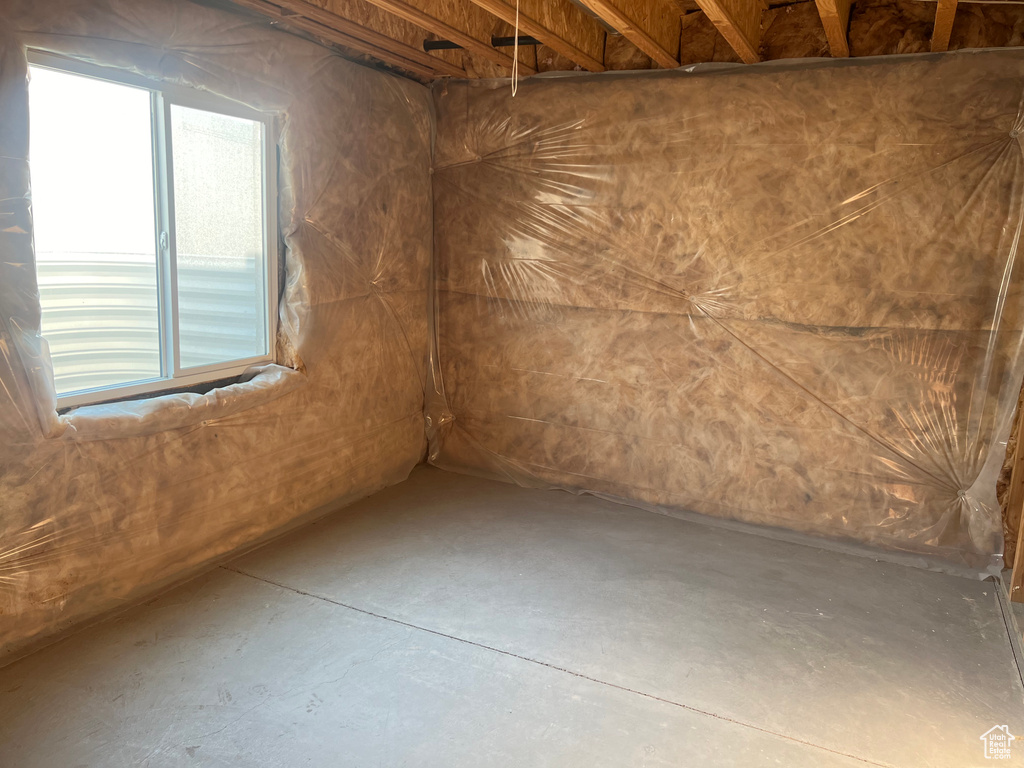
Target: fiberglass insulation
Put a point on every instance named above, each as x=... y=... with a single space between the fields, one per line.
x=106 y=504
x=787 y=295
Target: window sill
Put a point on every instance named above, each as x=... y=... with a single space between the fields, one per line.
x=137 y=418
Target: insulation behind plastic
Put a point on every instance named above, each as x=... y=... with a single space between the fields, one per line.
x=105 y=504
x=787 y=294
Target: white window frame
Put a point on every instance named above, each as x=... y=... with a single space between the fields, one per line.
x=162 y=96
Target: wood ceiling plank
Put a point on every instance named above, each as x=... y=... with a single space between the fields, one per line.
x=835 y=17
x=557 y=23
x=653 y=26
x=739 y=22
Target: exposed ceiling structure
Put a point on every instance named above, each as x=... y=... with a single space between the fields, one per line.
x=428 y=39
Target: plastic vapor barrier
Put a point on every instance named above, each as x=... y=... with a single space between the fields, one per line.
x=785 y=294
x=106 y=503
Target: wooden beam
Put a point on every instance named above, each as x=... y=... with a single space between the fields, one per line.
x=653 y=26
x=835 y=16
x=358 y=30
x=1014 y=505
x=441 y=19
x=385 y=24
x=558 y=24
x=739 y=22
x=333 y=35
x=945 y=11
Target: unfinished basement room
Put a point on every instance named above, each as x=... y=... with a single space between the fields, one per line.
x=511 y=383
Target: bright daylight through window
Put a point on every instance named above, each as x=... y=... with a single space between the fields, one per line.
x=154 y=231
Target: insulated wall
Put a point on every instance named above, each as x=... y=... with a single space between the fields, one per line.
x=783 y=294
x=107 y=503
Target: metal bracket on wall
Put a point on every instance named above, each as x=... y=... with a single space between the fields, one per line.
x=496 y=42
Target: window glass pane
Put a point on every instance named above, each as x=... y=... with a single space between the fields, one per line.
x=218 y=219
x=92 y=204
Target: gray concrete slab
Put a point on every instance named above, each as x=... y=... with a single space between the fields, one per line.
x=231 y=671
x=454 y=621
x=892 y=664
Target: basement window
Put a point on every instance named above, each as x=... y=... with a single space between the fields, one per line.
x=154 y=218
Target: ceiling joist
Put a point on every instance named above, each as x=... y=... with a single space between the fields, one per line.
x=653 y=26
x=458 y=21
x=428 y=39
x=739 y=22
x=386 y=24
x=359 y=26
x=835 y=17
x=390 y=52
x=558 y=24
x=945 y=11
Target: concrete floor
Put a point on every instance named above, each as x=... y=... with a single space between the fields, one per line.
x=451 y=621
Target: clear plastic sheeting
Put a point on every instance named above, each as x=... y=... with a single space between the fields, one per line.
x=106 y=504
x=786 y=294
x=150 y=415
